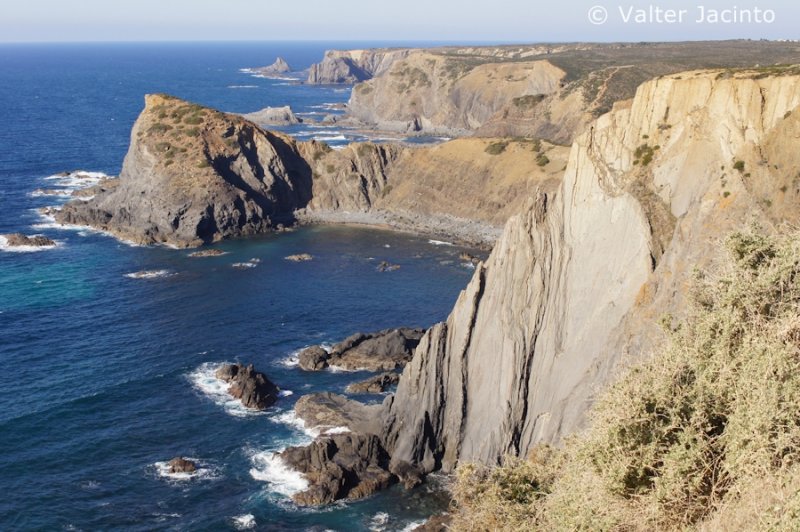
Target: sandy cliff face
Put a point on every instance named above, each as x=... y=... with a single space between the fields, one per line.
x=575 y=283
x=434 y=92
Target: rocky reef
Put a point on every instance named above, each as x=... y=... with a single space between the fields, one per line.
x=382 y=351
x=16 y=240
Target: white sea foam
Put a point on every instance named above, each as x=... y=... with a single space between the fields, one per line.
x=285 y=393
x=242 y=86
x=78 y=179
x=203 y=472
x=412 y=526
x=440 y=243
x=244 y=522
x=25 y=249
x=269 y=467
x=468 y=265
x=252 y=263
x=289 y=418
x=378 y=522
x=150 y=274
x=204 y=379
x=328 y=137
x=51 y=193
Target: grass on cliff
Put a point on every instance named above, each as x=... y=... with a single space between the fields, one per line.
x=706 y=436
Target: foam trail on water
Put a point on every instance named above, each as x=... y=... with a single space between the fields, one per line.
x=244 y=522
x=269 y=467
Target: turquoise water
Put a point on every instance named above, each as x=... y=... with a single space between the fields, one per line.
x=107 y=375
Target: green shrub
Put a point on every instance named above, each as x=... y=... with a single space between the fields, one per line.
x=704 y=435
x=542 y=160
x=739 y=165
x=496 y=148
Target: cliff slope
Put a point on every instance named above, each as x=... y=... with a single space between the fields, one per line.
x=576 y=282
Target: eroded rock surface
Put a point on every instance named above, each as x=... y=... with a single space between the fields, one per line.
x=377 y=384
x=251 y=387
x=20 y=240
x=381 y=351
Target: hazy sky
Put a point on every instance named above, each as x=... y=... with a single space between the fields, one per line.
x=446 y=20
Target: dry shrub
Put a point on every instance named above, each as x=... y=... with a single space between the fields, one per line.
x=689 y=440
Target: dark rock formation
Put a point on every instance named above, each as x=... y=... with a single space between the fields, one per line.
x=19 y=240
x=437 y=523
x=382 y=351
x=314 y=358
x=181 y=465
x=385 y=266
x=342 y=466
x=251 y=387
x=377 y=384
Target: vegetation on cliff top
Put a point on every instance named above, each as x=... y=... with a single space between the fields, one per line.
x=705 y=436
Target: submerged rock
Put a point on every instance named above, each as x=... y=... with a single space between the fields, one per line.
x=181 y=465
x=377 y=384
x=382 y=351
x=251 y=387
x=20 y=240
x=301 y=257
x=386 y=266
x=208 y=253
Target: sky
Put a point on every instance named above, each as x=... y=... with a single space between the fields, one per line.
x=495 y=21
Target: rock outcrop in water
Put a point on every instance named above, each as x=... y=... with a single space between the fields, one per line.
x=576 y=284
x=15 y=240
x=377 y=384
x=251 y=387
x=382 y=351
x=181 y=465
x=280 y=66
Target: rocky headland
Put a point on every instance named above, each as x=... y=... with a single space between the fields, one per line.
x=194 y=176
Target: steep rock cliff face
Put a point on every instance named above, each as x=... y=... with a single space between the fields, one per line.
x=353 y=66
x=575 y=283
x=433 y=92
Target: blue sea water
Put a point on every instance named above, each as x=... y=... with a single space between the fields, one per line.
x=104 y=376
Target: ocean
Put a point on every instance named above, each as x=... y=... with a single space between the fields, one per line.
x=106 y=376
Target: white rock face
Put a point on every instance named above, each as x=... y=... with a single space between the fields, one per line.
x=576 y=283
